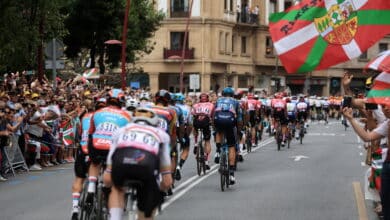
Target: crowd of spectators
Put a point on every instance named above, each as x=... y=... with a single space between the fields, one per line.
x=43 y=123
x=246 y=14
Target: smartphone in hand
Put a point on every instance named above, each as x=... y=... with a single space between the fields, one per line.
x=347 y=101
x=371 y=106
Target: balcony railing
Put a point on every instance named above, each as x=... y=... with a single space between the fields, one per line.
x=179 y=14
x=176 y=54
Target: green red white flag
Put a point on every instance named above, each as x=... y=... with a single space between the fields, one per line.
x=380 y=62
x=67 y=132
x=317 y=34
x=380 y=91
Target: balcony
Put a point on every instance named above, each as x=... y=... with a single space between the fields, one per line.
x=176 y=54
x=179 y=14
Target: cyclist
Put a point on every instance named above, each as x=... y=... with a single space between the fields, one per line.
x=253 y=107
x=144 y=99
x=81 y=165
x=167 y=121
x=184 y=132
x=325 y=108
x=139 y=151
x=303 y=111
x=291 y=107
x=225 y=121
x=104 y=123
x=132 y=104
x=279 y=112
x=239 y=96
x=202 y=112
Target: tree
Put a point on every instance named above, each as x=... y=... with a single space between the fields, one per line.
x=24 y=26
x=92 y=22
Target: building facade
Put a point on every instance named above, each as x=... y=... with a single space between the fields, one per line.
x=228 y=43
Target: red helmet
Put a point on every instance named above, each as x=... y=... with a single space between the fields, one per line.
x=278 y=96
x=204 y=97
x=250 y=96
x=288 y=100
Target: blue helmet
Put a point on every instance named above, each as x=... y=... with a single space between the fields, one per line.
x=179 y=97
x=228 y=91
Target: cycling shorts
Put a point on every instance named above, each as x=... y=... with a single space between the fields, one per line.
x=326 y=109
x=80 y=164
x=97 y=156
x=203 y=123
x=225 y=123
x=253 y=119
x=291 y=117
x=281 y=116
x=302 y=116
x=138 y=165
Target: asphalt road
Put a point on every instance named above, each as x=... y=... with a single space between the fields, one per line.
x=320 y=179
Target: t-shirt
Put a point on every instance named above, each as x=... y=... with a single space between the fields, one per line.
x=383 y=129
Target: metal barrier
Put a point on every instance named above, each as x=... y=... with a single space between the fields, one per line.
x=15 y=159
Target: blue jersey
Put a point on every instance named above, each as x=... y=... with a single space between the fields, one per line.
x=228 y=104
x=179 y=114
x=186 y=112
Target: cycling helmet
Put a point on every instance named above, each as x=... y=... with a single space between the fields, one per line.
x=115 y=97
x=179 y=97
x=163 y=97
x=144 y=96
x=288 y=100
x=204 y=97
x=132 y=104
x=228 y=91
x=250 y=96
x=278 y=96
x=239 y=94
x=145 y=116
x=100 y=103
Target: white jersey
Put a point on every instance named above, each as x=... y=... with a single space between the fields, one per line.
x=143 y=137
x=302 y=106
x=291 y=107
x=317 y=103
x=325 y=104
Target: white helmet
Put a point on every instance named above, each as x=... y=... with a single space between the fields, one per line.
x=145 y=96
x=132 y=104
x=151 y=120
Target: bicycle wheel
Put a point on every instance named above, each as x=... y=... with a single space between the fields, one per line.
x=199 y=160
x=85 y=209
x=248 y=142
x=203 y=159
x=227 y=169
x=222 y=172
x=301 y=133
x=288 y=140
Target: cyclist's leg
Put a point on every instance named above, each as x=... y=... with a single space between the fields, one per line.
x=80 y=169
x=116 y=203
x=97 y=157
x=207 y=144
x=231 y=142
x=185 y=145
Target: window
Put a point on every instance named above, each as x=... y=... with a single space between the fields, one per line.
x=227 y=38
x=221 y=42
x=269 y=47
x=177 y=40
x=225 y=5
x=363 y=56
x=272 y=6
x=382 y=47
x=243 y=45
x=231 y=5
x=287 y=5
x=179 y=8
x=233 y=43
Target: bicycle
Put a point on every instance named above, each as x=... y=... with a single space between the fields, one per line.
x=131 y=210
x=86 y=209
x=278 y=134
x=248 y=136
x=224 y=169
x=301 y=131
x=200 y=155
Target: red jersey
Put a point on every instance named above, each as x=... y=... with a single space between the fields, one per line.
x=203 y=108
x=253 y=105
x=278 y=104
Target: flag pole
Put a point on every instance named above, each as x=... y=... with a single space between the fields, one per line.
x=124 y=37
x=184 y=48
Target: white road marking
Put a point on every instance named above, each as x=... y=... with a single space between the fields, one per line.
x=195 y=180
x=363 y=164
x=299 y=157
x=361 y=154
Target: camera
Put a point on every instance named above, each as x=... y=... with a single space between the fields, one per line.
x=371 y=106
x=347 y=101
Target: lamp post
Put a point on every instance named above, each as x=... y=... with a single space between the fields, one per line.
x=124 y=37
x=184 y=48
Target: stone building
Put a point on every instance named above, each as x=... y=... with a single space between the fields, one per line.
x=228 y=46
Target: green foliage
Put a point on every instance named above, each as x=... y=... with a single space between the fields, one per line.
x=20 y=34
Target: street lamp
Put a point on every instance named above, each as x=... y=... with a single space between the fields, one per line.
x=124 y=37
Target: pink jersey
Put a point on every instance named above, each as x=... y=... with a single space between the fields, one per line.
x=253 y=105
x=278 y=104
x=203 y=108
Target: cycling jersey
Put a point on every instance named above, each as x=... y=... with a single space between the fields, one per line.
x=167 y=119
x=227 y=112
x=291 y=108
x=142 y=137
x=104 y=123
x=302 y=106
x=186 y=111
x=85 y=124
x=278 y=104
x=203 y=108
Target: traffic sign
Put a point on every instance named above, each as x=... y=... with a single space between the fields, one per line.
x=60 y=64
x=194 y=81
x=58 y=48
